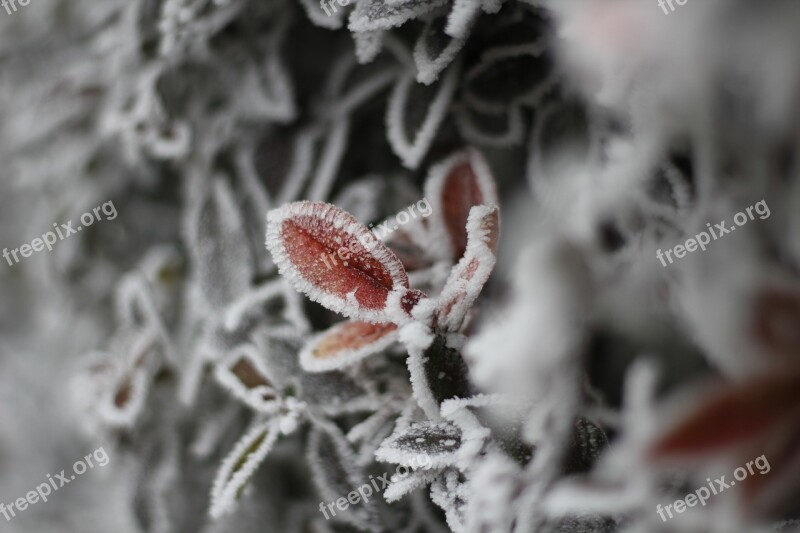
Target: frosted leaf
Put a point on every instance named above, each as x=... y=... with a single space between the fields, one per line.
x=371 y=15
x=245 y=376
x=499 y=130
x=278 y=104
x=266 y=90
x=284 y=162
x=473 y=270
x=330 y=158
x=345 y=344
x=508 y=76
x=280 y=355
x=474 y=435
x=303 y=238
x=138 y=310
x=422 y=446
x=400 y=486
x=415 y=114
x=240 y=465
x=113 y=386
x=438 y=373
x=256 y=297
x=335 y=472
x=335 y=393
x=125 y=400
x=218 y=244
x=362 y=198
x=435 y=50
x=453 y=187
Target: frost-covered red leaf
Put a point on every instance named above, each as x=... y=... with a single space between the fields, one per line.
x=240 y=465
x=455 y=186
x=345 y=344
x=473 y=270
x=327 y=254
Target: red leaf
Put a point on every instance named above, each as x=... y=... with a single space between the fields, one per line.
x=327 y=254
x=733 y=416
x=471 y=273
x=455 y=186
x=345 y=344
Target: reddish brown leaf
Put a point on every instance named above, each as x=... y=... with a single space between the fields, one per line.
x=327 y=254
x=248 y=374
x=244 y=375
x=345 y=344
x=733 y=416
x=124 y=393
x=455 y=186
